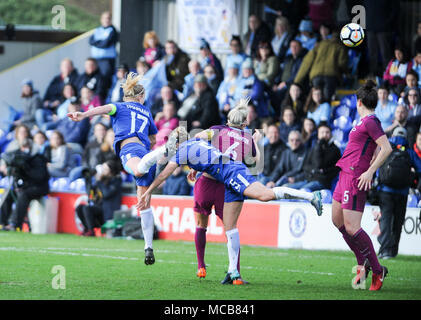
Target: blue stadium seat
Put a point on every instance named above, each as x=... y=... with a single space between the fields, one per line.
x=60 y=184
x=350 y=101
x=343 y=122
x=77 y=185
x=393 y=97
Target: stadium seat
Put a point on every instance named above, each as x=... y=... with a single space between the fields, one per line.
x=393 y=97
x=343 y=123
x=350 y=101
x=78 y=185
x=60 y=184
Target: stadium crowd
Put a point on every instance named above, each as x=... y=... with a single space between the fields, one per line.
x=290 y=68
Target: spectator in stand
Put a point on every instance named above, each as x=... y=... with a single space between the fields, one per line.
x=176 y=184
x=237 y=55
x=42 y=145
x=205 y=111
x=397 y=69
x=103 y=48
x=309 y=133
x=319 y=165
x=75 y=133
x=226 y=90
x=290 y=166
x=213 y=80
x=257 y=31
x=90 y=157
x=321 y=11
x=417 y=145
x=411 y=80
x=194 y=69
x=385 y=110
x=68 y=74
x=290 y=69
x=282 y=38
x=412 y=101
x=31 y=102
x=325 y=66
x=209 y=58
x=288 y=123
x=105 y=202
x=91 y=152
x=295 y=99
x=316 y=107
x=115 y=94
x=325 y=31
x=266 y=64
x=21 y=134
x=61 y=157
x=107 y=150
x=46 y=119
x=416 y=66
x=250 y=86
x=272 y=152
x=253 y=119
x=401 y=120
x=165 y=121
x=167 y=95
x=306 y=35
x=176 y=65
x=381 y=17
x=154 y=50
x=92 y=79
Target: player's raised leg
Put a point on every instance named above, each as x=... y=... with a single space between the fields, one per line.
x=258 y=191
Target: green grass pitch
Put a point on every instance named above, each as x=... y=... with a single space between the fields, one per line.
x=99 y=268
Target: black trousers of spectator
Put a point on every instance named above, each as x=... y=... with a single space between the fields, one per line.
x=379 y=42
x=23 y=198
x=393 y=209
x=91 y=216
x=327 y=84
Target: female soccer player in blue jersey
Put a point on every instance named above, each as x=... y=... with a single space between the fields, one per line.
x=135 y=132
x=203 y=157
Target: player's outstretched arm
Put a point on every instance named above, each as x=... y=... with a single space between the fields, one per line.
x=79 y=116
x=145 y=198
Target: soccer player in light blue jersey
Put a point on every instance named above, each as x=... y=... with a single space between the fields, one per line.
x=201 y=156
x=135 y=132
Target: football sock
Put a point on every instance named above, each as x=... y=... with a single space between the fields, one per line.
x=148 y=224
x=290 y=193
x=233 y=245
x=149 y=159
x=365 y=246
x=200 y=241
x=350 y=242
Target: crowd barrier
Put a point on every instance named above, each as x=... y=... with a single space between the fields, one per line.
x=283 y=224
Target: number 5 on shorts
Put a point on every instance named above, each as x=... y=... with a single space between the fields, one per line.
x=346 y=196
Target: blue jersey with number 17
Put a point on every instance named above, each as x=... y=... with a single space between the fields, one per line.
x=132 y=119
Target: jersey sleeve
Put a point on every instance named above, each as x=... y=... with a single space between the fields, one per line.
x=374 y=128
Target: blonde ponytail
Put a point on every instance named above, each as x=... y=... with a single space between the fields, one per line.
x=131 y=87
x=238 y=116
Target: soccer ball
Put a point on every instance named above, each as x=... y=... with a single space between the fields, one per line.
x=352 y=35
